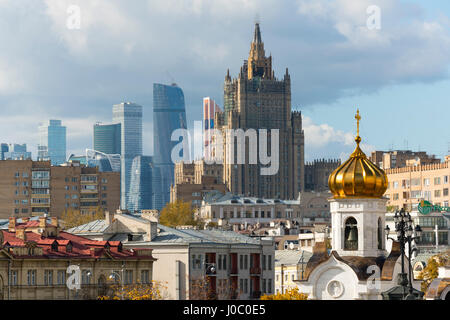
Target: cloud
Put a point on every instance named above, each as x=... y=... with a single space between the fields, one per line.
x=121 y=49
x=324 y=141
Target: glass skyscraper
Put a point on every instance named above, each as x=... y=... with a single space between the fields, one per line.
x=129 y=115
x=16 y=152
x=107 y=138
x=52 y=145
x=140 y=195
x=3 y=149
x=169 y=114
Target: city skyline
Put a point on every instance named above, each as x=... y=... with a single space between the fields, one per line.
x=322 y=40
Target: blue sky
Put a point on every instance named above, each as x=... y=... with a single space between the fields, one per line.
x=398 y=76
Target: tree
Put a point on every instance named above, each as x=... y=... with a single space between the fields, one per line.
x=178 y=213
x=290 y=294
x=430 y=272
x=73 y=218
x=152 y=291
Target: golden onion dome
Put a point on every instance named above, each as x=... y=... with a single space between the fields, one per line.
x=358 y=177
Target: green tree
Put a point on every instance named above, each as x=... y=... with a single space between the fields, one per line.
x=178 y=213
x=73 y=218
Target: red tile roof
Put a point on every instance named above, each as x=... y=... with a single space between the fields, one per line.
x=81 y=247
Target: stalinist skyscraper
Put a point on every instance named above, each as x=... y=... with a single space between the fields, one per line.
x=256 y=99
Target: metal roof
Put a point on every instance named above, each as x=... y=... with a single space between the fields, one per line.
x=291 y=257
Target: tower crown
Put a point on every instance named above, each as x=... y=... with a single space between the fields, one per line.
x=258 y=64
x=358 y=177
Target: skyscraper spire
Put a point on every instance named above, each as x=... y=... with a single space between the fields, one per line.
x=257 y=34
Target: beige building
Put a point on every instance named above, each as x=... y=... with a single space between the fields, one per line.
x=35 y=255
x=243 y=267
x=290 y=265
x=409 y=185
x=229 y=210
x=401 y=158
x=194 y=180
x=35 y=187
x=256 y=100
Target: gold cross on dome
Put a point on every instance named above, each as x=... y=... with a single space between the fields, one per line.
x=358 y=118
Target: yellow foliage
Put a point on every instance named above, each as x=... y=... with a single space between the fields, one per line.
x=291 y=294
x=177 y=213
x=430 y=272
x=151 y=291
x=73 y=218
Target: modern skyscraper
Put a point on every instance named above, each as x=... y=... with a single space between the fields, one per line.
x=52 y=145
x=3 y=149
x=17 y=152
x=129 y=115
x=169 y=114
x=140 y=195
x=107 y=138
x=210 y=107
x=256 y=99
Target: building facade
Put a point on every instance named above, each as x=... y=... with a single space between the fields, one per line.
x=408 y=186
x=36 y=187
x=16 y=152
x=107 y=138
x=129 y=115
x=210 y=107
x=244 y=267
x=141 y=192
x=401 y=158
x=52 y=145
x=35 y=256
x=257 y=100
x=169 y=114
x=317 y=173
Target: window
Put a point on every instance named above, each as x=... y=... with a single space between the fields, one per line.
x=104 y=180
x=395 y=196
x=16 y=175
x=245 y=285
x=437 y=193
x=351 y=234
x=426 y=182
x=128 y=276
x=145 y=276
x=61 y=277
x=241 y=285
x=13 y=278
x=48 y=277
x=269 y=286
x=445 y=179
x=445 y=192
x=292 y=277
x=395 y=184
x=246 y=261
x=264 y=262
x=437 y=180
x=85 y=277
x=269 y=262
x=31 y=277
x=380 y=234
x=241 y=261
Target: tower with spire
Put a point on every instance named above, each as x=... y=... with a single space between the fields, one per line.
x=256 y=99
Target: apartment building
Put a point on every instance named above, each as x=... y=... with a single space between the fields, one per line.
x=401 y=158
x=410 y=185
x=290 y=265
x=233 y=266
x=35 y=255
x=31 y=188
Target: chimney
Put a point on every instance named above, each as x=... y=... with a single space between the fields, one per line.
x=108 y=218
x=12 y=224
x=42 y=222
x=21 y=234
x=152 y=230
x=55 y=221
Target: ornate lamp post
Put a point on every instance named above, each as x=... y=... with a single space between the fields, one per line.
x=405 y=235
x=114 y=275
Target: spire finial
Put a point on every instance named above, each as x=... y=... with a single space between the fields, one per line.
x=358 y=119
x=257 y=34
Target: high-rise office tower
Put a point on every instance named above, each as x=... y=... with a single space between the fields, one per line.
x=169 y=114
x=3 y=149
x=210 y=107
x=140 y=195
x=107 y=138
x=16 y=152
x=52 y=145
x=129 y=115
x=256 y=99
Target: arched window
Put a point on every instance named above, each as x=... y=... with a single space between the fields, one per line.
x=380 y=235
x=102 y=285
x=351 y=234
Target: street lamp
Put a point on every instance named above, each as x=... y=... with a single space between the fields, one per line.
x=405 y=235
x=114 y=275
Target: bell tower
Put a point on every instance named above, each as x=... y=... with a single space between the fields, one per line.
x=358 y=207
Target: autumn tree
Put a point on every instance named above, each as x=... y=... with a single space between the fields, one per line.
x=178 y=213
x=155 y=290
x=291 y=294
x=73 y=218
x=430 y=272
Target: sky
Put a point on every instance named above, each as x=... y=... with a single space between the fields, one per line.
x=397 y=74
